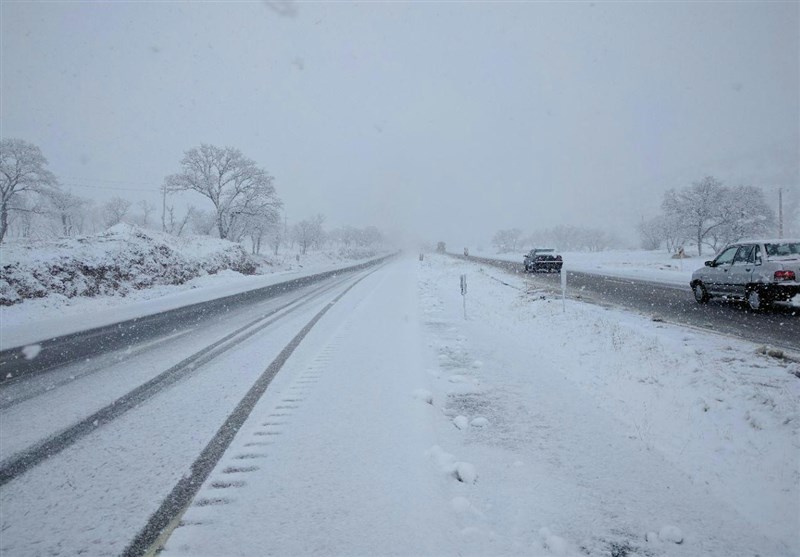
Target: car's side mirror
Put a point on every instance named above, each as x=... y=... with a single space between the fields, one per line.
x=710 y=264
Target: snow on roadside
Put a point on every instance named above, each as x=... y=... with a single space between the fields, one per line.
x=118 y=261
x=55 y=314
x=604 y=432
x=653 y=266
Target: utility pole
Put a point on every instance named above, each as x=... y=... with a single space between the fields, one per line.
x=780 y=213
x=164 y=208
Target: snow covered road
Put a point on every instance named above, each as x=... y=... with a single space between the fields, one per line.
x=93 y=493
x=403 y=429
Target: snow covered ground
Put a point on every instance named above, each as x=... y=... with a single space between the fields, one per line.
x=207 y=259
x=400 y=427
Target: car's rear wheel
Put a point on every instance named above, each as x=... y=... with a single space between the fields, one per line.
x=700 y=293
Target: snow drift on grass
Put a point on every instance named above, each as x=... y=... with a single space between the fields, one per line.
x=122 y=259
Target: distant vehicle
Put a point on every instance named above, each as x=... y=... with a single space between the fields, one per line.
x=759 y=272
x=543 y=260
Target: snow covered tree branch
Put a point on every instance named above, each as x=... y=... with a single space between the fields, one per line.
x=236 y=187
x=22 y=171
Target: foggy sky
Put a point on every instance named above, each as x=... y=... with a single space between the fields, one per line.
x=448 y=120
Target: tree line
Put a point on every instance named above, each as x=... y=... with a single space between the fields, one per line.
x=243 y=201
x=710 y=214
x=565 y=237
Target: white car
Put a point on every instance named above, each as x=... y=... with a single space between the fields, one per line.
x=758 y=271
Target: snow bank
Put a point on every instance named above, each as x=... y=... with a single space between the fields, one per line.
x=122 y=259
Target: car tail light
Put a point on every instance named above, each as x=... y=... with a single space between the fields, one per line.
x=784 y=275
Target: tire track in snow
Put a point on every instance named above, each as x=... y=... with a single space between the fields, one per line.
x=25 y=460
x=166 y=517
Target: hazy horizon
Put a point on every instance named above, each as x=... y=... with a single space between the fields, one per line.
x=446 y=121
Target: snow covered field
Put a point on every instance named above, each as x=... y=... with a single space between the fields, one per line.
x=401 y=428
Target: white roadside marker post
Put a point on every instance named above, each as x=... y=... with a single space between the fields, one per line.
x=464 y=293
x=564 y=289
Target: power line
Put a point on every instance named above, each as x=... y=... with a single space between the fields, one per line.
x=111 y=188
x=105 y=181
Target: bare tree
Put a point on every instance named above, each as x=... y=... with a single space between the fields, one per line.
x=662 y=229
x=713 y=214
x=175 y=226
x=651 y=233
x=22 y=171
x=69 y=210
x=147 y=210
x=233 y=183
x=697 y=208
x=506 y=240
x=256 y=228
x=309 y=232
x=369 y=236
x=744 y=212
x=115 y=210
x=27 y=217
x=201 y=222
x=276 y=236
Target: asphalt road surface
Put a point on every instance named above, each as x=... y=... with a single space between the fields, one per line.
x=778 y=327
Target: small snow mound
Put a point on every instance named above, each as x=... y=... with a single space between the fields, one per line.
x=480 y=421
x=651 y=537
x=457 y=379
x=444 y=460
x=462 y=471
x=670 y=534
x=465 y=473
x=461 y=422
x=31 y=351
x=477 y=364
x=554 y=544
x=424 y=395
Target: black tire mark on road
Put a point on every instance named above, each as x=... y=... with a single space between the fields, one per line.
x=185 y=490
x=25 y=460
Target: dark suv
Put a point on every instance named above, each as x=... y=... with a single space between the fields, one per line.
x=759 y=272
x=543 y=260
